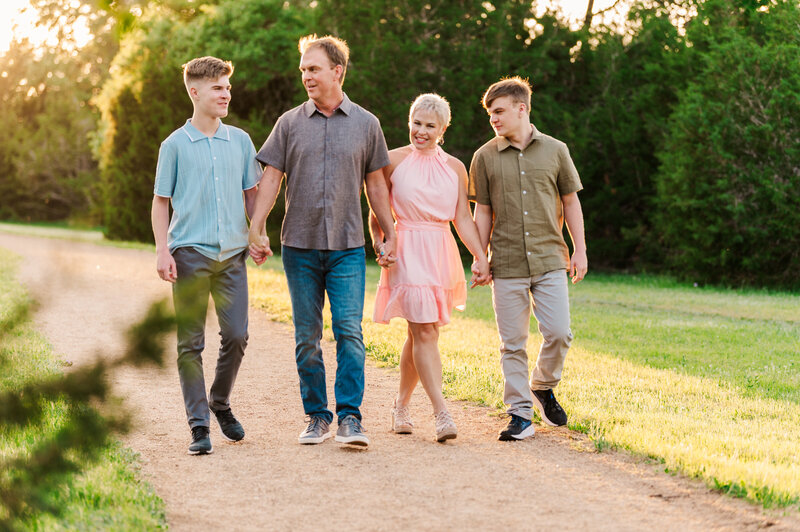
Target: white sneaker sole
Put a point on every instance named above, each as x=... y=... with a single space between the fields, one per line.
x=199 y=453
x=314 y=441
x=527 y=433
x=360 y=441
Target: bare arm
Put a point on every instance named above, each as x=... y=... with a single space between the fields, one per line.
x=468 y=232
x=262 y=204
x=250 y=200
x=484 y=221
x=159 y=217
x=378 y=198
x=573 y=215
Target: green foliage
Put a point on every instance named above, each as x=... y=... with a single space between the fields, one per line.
x=45 y=154
x=727 y=189
x=54 y=424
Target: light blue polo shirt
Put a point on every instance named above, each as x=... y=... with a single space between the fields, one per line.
x=204 y=177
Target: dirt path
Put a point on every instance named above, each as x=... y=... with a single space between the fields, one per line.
x=88 y=295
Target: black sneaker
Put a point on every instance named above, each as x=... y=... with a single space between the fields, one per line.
x=201 y=443
x=549 y=409
x=350 y=431
x=231 y=429
x=518 y=428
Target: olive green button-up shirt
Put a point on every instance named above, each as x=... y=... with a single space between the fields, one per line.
x=524 y=189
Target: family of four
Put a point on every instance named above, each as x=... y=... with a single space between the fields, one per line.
x=524 y=186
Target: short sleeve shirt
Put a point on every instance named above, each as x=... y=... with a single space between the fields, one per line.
x=524 y=189
x=325 y=160
x=204 y=177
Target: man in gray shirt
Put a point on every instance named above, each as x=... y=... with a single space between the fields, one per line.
x=328 y=148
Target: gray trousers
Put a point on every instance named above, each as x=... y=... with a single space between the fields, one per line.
x=226 y=281
x=512 y=307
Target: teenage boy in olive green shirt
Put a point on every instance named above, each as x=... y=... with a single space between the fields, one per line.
x=524 y=185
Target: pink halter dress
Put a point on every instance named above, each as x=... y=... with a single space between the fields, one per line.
x=427 y=281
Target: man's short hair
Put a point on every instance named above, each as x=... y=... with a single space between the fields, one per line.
x=335 y=48
x=206 y=68
x=434 y=103
x=516 y=87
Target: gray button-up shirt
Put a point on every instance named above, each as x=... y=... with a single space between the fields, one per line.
x=325 y=160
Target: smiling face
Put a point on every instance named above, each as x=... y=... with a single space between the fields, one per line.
x=321 y=78
x=425 y=130
x=507 y=116
x=211 y=97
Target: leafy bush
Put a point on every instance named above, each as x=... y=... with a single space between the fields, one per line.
x=729 y=211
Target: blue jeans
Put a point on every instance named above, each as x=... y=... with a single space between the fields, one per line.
x=310 y=273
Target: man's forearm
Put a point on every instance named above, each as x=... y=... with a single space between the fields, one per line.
x=378 y=198
x=159 y=217
x=573 y=215
x=484 y=220
x=264 y=199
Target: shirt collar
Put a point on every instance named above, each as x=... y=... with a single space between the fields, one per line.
x=195 y=134
x=346 y=106
x=503 y=143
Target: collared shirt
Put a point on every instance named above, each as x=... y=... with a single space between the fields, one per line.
x=524 y=189
x=325 y=160
x=205 y=176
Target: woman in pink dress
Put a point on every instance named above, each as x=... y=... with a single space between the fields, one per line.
x=428 y=190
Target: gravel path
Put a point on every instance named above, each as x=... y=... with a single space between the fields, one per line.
x=90 y=293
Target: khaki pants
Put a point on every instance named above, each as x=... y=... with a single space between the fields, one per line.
x=512 y=300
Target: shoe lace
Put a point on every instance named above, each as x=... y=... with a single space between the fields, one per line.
x=356 y=424
x=444 y=420
x=198 y=432
x=402 y=415
x=226 y=416
x=313 y=423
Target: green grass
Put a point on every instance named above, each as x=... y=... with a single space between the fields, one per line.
x=105 y=496
x=705 y=381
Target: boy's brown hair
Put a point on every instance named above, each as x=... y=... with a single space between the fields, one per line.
x=205 y=68
x=335 y=48
x=516 y=87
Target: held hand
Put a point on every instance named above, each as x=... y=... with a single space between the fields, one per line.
x=578 y=266
x=481 y=273
x=387 y=253
x=166 y=267
x=259 y=247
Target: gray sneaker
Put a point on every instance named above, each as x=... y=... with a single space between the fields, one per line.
x=317 y=431
x=350 y=431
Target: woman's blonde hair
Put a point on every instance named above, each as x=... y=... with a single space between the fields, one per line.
x=435 y=104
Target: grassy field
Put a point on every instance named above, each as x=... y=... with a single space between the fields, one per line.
x=107 y=496
x=705 y=381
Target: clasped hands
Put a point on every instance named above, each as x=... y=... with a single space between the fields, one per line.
x=385 y=253
x=481 y=273
x=259 y=247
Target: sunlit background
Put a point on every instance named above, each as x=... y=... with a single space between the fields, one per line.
x=18 y=19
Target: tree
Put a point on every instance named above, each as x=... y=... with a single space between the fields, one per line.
x=729 y=210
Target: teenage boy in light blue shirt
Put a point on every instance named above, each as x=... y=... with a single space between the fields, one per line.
x=203 y=168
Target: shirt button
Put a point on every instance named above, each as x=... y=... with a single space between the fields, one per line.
x=523 y=173
x=529 y=253
x=525 y=213
x=526 y=233
x=524 y=191
x=216 y=179
x=215 y=158
x=218 y=200
x=520 y=154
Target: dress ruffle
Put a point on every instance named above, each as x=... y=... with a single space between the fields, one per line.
x=419 y=304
